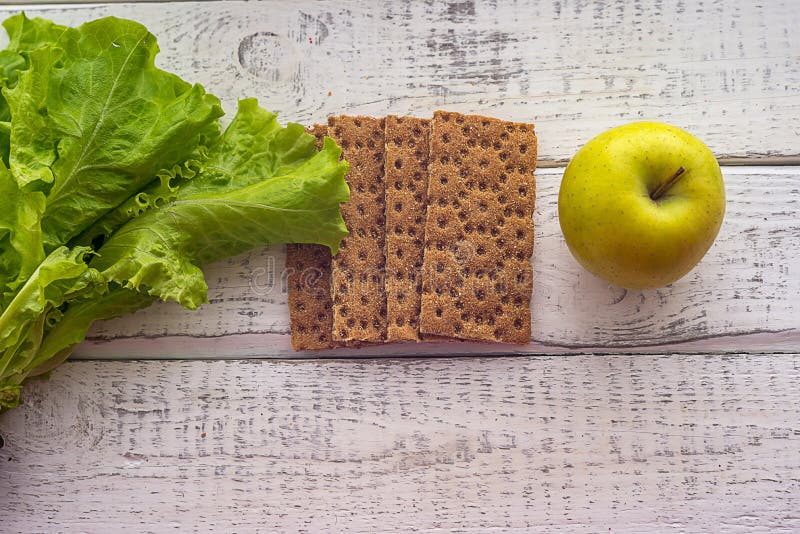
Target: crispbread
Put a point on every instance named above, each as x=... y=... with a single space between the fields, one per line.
x=357 y=271
x=479 y=229
x=319 y=131
x=309 y=278
x=406 y=200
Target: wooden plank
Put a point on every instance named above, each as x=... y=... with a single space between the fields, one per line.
x=727 y=71
x=744 y=295
x=626 y=443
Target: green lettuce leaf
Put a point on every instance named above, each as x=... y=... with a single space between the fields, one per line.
x=10 y=63
x=159 y=192
x=62 y=276
x=117 y=186
x=21 y=249
x=60 y=339
x=24 y=35
x=94 y=121
x=261 y=184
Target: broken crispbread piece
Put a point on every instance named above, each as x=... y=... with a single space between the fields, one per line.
x=310 y=305
x=479 y=231
x=406 y=199
x=319 y=131
x=309 y=280
x=357 y=271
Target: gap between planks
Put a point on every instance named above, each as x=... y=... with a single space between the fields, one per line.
x=757 y=161
x=734 y=86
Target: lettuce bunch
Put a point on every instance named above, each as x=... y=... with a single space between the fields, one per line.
x=117 y=184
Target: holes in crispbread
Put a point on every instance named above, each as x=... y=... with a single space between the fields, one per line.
x=480 y=160
x=362 y=251
x=308 y=268
x=465 y=195
x=407 y=163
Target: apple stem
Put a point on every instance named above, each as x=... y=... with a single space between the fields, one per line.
x=663 y=188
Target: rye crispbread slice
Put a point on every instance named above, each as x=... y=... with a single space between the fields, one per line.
x=319 y=131
x=357 y=271
x=478 y=278
x=406 y=200
x=308 y=267
x=310 y=304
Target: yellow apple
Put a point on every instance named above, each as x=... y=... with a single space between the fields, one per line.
x=641 y=204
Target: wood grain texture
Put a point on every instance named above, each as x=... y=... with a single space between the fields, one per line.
x=726 y=71
x=744 y=295
x=623 y=443
x=620 y=443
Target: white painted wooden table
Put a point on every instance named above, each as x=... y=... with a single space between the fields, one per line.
x=667 y=410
